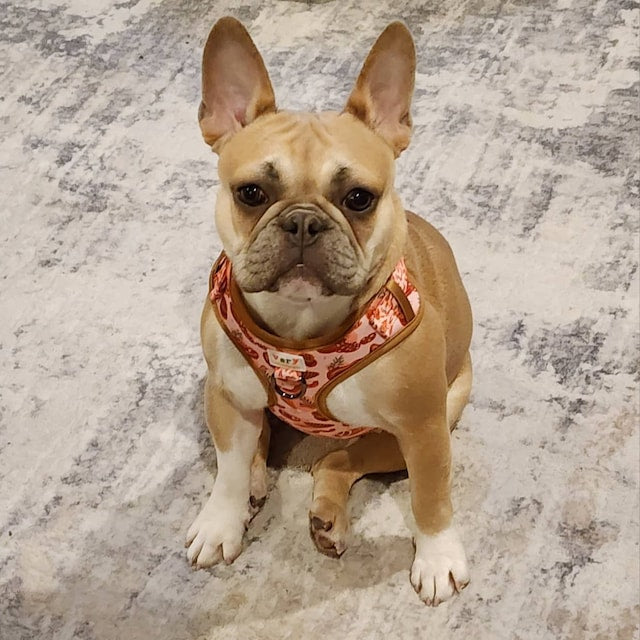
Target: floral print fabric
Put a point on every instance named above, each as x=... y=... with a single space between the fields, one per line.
x=297 y=395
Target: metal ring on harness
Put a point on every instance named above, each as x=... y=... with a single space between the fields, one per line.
x=289 y=396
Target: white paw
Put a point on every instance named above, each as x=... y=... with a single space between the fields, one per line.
x=440 y=566
x=216 y=534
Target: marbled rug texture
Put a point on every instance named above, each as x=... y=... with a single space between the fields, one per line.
x=525 y=154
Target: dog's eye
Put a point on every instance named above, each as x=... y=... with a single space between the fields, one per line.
x=251 y=195
x=358 y=199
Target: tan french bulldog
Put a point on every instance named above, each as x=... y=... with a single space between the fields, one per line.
x=333 y=173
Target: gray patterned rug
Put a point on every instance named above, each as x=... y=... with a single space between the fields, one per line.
x=525 y=154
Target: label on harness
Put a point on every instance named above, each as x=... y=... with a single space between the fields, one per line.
x=286 y=360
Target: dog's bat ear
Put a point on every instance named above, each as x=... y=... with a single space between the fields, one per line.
x=382 y=95
x=235 y=84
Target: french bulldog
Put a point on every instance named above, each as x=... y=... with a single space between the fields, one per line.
x=312 y=231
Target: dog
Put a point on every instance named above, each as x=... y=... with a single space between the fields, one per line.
x=331 y=306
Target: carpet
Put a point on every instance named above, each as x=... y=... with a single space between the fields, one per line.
x=524 y=154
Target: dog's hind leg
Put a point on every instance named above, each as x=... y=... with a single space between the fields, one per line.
x=458 y=393
x=259 y=478
x=335 y=474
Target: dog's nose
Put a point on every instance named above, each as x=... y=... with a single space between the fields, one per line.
x=303 y=227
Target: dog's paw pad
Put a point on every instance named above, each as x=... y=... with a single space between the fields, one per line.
x=328 y=526
x=320 y=525
x=255 y=504
x=258 y=487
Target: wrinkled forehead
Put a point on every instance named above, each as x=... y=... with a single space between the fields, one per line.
x=308 y=152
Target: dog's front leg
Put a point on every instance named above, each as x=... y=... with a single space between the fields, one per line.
x=217 y=532
x=440 y=565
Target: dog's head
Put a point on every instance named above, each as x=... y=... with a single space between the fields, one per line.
x=306 y=201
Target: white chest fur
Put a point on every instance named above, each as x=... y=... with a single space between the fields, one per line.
x=235 y=375
x=349 y=403
x=301 y=315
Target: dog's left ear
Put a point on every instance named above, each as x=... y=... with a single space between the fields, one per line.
x=382 y=95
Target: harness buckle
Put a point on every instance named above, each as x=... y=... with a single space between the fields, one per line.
x=289 y=396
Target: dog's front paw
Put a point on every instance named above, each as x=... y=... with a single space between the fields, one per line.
x=216 y=534
x=440 y=566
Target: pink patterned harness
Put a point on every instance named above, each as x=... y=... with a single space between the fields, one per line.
x=299 y=376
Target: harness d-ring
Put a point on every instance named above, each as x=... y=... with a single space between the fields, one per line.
x=289 y=396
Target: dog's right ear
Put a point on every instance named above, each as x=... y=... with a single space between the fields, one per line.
x=235 y=84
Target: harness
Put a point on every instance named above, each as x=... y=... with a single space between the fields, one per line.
x=299 y=376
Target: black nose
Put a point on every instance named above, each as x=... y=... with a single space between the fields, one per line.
x=303 y=227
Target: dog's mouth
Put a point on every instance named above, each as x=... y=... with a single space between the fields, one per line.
x=300 y=283
x=302 y=280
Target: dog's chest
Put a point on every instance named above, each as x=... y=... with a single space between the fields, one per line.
x=348 y=402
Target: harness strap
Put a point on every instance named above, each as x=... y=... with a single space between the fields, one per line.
x=298 y=377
